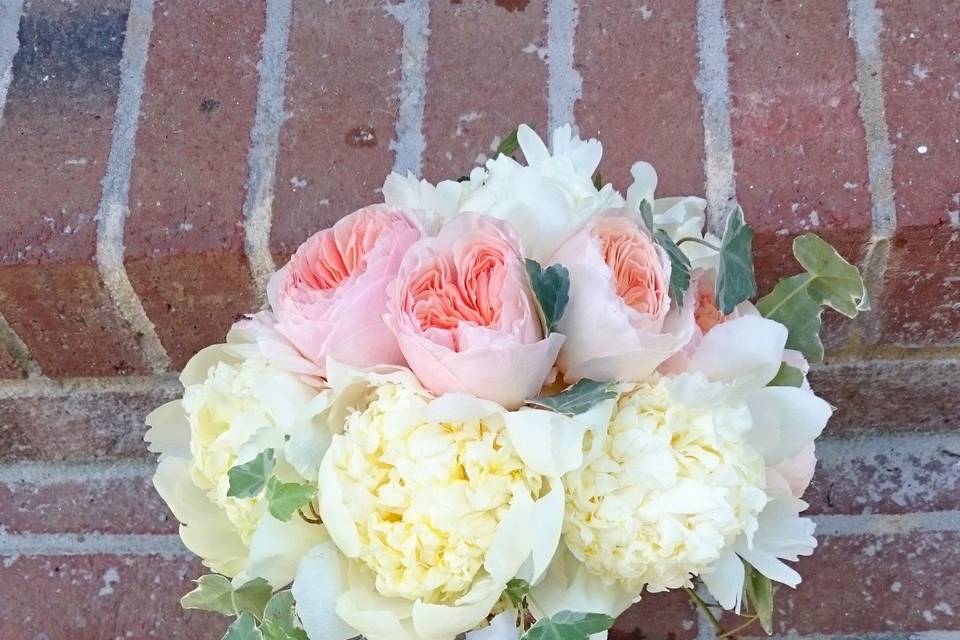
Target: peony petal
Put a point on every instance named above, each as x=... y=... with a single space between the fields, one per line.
x=746 y=351
x=534 y=150
x=169 y=432
x=781 y=535
x=334 y=513
x=320 y=579
x=725 y=581
x=512 y=540
x=568 y=585
x=785 y=420
x=502 y=627
x=277 y=548
x=546 y=526
x=643 y=186
x=197 y=368
x=442 y=622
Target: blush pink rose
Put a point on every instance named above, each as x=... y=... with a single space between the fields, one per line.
x=329 y=300
x=465 y=317
x=620 y=323
x=706 y=316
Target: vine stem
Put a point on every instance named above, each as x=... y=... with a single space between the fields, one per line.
x=699 y=241
x=733 y=632
x=705 y=609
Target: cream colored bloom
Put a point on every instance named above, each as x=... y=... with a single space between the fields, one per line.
x=233 y=408
x=431 y=510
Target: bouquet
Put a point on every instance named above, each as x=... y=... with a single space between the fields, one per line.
x=506 y=406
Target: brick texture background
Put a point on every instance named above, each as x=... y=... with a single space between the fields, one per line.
x=841 y=118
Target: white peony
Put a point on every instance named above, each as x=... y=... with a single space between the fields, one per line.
x=233 y=408
x=430 y=508
x=681 y=480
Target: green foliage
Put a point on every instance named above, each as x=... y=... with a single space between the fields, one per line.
x=787 y=376
x=759 y=592
x=679 y=266
x=215 y=593
x=646 y=213
x=597 y=180
x=244 y=628
x=577 y=399
x=280 y=619
x=284 y=498
x=248 y=479
x=252 y=597
x=551 y=287
x=569 y=625
x=735 y=278
x=509 y=145
x=517 y=591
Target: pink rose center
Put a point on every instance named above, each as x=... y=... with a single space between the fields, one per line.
x=635 y=264
x=444 y=295
x=707 y=315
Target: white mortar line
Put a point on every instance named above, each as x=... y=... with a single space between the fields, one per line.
x=42 y=474
x=264 y=144
x=705 y=630
x=866 y=635
x=10 y=12
x=114 y=206
x=18 y=349
x=70 y=544
x=714 y=87
x=47 y=388
x=414 y=18
x=887 y=524
x=564 y=83
x=863 y=448
x=865 y=27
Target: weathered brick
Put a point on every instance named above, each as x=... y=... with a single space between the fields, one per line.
x=55 y=138
x=342 y=94
x=658 y=616
x=82 y=498
x=8 y=366
x=799 y=147
x=101 y=596
x=921 y=77
x=872 y=584
x=640 y=107
x=185 y=236
x=886 y=474
x=466 y=92
x=79 y=420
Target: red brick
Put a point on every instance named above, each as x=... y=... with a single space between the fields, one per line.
x=86 y=498
x=342 y=94
x=658 y=616
x=921 y=77
x=873 y=584
x=640 y=107
x=799 y=147
x=80 y=421
x=185 y=236
x=466 y=91
x=55 y=138
x=896 y=475
x=85 y=597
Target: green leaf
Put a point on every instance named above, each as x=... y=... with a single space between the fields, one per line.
x=759 y=591
x=551 y=286
x=249 y=479
x=213 y=593
x=735 y=278
x=284 y=498
x=516 y=591
x=597 y=180
x=509 y=145
x=577 y=399
x=787 y=376
x=569 y=625
x=280 y=619
x=252 y=597
x=790 y=304
x=834 y=282
x=679 y=266
x=243 y=628
x=646 y=212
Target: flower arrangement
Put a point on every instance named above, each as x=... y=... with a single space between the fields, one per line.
x=506 y=406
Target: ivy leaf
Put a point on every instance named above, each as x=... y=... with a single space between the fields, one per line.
x=679 y=266
x=284 y=498
x=551 y=286
x=834 y=282
x=759 y=591
x=509 y=145
x=787 y=376
x=213 y=593
x=280 y=619
x=735 y=278
x=252 y=597
x=577 y=399
x=646 y=212
x=517 y=589
x=790 y=304
x=249 y=479
x=243 y=628
x=569 y=625
x=597 y=180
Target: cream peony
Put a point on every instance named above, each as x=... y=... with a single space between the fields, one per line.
x=430 y=508
x=234 y=406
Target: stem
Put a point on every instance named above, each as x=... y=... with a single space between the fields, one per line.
x=308 y=519
x=699 y=241
x=705 y=609
x=732 y=633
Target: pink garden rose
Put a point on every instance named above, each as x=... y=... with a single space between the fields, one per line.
x=465 y=317
x=329 y=300
x=620 y=323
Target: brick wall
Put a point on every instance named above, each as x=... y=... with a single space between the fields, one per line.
x=159 y=157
